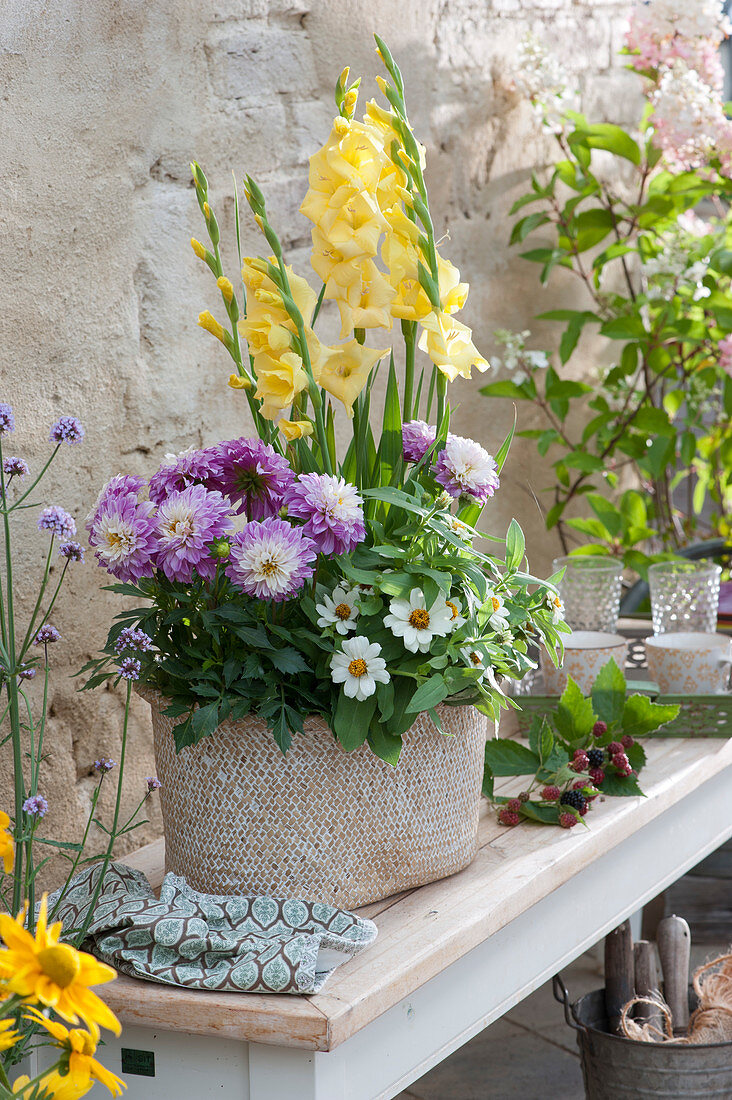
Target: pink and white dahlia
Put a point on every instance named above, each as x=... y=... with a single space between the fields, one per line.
x=270 y=559
x=332 y=510
x=417 y=438
x=187 y=523
x=190 y=467
x=254 y=476
x=122 y=532
x=121 y=485
x=463 y=467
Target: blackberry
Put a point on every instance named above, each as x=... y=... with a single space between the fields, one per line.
x=580 y=762
x=551 y=794
x=567 y=821
x=596 y=758
x=627 y=741
x=599 y=729
x=575 y=799
x=508 y=817
x=597 y=775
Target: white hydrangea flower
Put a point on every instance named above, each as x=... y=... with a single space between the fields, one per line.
x=544 y=81
x=516 y=359
x=359 y=667
x=340 y=609
x=698 y=19
x=415 y=623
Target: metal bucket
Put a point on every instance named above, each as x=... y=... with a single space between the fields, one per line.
x=614 y=1068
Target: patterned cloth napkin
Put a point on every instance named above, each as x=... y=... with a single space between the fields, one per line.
x=245 y=945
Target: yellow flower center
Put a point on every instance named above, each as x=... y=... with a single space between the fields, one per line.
x=474 y=657
x=419 y=619
x=453 y=609
x=269 y=567
x=60 y=963
x=557 y=602
x=358 y=667
x=496 y=603
x=343 y=611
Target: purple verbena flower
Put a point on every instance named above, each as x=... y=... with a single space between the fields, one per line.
x=271 y=559
x=153 y=783
x=67 y=429
x=123 y=531
x=72 y=551
x=58 y=521
x=121 y=485
x=254 y=476
x=46 y=635
x=27 y=674
x=132 y=638
x=129 y=668
x=7 y=420
x=104 y=764
x=15 y=467
x=35 y=806
x=417 y=438
x=192 y=467
x=331 y=508
x=464 y=468
x=187 y=523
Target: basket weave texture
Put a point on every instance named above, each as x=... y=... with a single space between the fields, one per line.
x=319 y=823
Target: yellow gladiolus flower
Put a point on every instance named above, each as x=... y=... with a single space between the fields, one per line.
x=449 y=345
x=279 y=381
x=208 y=321
x=366 y=303
x=7 y=847
x=198 y=248
x=225 y=287
x=79 y=1047
x=295 y=429
x=53 y=973
x=238 y=383
x=8 y=1036
x=344 y=370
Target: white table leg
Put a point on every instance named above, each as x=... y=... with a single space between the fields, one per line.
x=285 y=1073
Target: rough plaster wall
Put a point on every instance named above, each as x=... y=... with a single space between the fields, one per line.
x=103 y=105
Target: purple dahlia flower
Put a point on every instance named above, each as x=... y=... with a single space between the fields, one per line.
x=15 y=467
x=122 y=531
x=417 y=438
x=187 y=523
x=46 y=635
x=464 y=468
x=58 y=521
x=67 y=429
x=121 y=485
x=192 y=467
x=254 y=476
x=7 y=420
x=331 y=508
x=270 y=559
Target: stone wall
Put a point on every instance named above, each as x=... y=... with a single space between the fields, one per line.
x=103 y=105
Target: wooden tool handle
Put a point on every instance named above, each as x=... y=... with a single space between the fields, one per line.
x=674 y=950
x=647 y=983
x=619 y=973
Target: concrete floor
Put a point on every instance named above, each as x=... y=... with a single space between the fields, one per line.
x=530 y=1053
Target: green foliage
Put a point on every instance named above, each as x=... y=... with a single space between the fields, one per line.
x=554 y=739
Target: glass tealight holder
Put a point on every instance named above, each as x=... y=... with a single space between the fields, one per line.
x=590 y=591
x=684 y=596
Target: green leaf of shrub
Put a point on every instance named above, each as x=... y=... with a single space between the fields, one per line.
x=505 y=757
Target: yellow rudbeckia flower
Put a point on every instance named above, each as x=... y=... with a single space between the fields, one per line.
x=79 y=1047
x=449 y=345
x=295 y=429
x=51 y=1085
x=344 y=370
x=53 y=973
x=7 y=847
x=8 y=1036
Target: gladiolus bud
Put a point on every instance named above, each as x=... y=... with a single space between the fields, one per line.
x=208 y=321
x=406 y=196
x=207 y=210
x=295 y=429
x=383 y=85
x=343 y=78
x=350 y=101
x=225 y=287
x=238 y=383
x=341 y=126
x=198 y=248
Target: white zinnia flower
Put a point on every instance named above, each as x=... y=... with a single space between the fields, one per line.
x=457 y=619
x=556 y=607
x=497 y=607
x=474 y=660
x=358 y=667
x=340 y=609
x=415 y=623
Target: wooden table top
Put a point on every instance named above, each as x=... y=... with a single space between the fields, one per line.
x=424 y=930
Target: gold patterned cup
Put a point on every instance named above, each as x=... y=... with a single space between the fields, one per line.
x=585 y=653
x=689 y=663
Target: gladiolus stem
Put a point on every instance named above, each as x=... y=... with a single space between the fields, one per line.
x=409 y=331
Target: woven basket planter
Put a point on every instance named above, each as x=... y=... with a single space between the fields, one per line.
x=319 y=824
